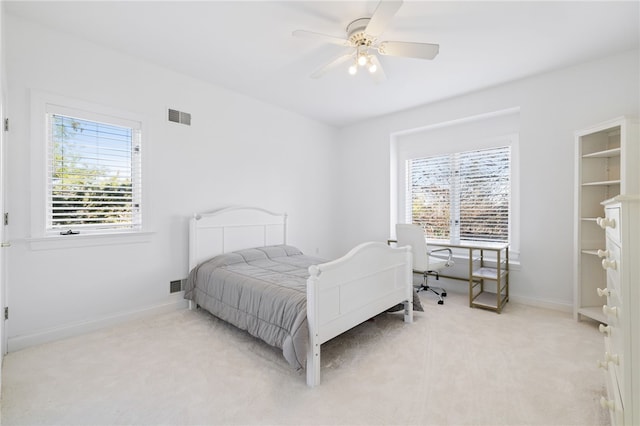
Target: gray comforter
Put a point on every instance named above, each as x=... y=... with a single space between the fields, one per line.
x=261 y=290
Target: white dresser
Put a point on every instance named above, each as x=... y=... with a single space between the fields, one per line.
x=621 y=260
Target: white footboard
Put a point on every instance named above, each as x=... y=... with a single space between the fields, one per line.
x=343 y=293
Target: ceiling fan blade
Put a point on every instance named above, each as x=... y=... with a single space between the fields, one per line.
x=409 y=49
x=379 y=76
x=319 y=36
x=339 y=60
x=382 y=16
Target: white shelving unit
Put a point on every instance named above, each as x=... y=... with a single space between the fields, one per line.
x=607 y=160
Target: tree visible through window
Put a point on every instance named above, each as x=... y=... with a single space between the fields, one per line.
x=462 y=196
x=94 y=175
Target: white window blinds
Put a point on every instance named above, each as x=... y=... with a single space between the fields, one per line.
x=463 y=196
x=94 y=175
x=430 y=195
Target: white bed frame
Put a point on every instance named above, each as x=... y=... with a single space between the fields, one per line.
x=341 y=294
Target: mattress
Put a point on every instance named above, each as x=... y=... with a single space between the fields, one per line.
x=260 y=290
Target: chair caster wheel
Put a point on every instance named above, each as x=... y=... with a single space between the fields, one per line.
x=444 y=294
x=440 y=302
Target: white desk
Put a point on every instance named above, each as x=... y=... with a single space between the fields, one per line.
x=479 y=272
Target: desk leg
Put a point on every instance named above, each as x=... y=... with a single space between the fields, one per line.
x=507 y=275
x=470 y=276
x=498 y=282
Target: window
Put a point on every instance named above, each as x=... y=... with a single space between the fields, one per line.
x=462 y=196
x=87 y=174
x=456 y=204
x=93 y=173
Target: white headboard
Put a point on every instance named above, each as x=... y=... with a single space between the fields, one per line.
x=233 y=228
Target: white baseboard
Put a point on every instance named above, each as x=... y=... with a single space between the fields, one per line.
x=545 y=304
x=455 y=286
x=24 y=341
x=20 y=342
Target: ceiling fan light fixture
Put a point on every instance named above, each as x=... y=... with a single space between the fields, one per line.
x=372 y=67
x=353 y=69
x=363 y=58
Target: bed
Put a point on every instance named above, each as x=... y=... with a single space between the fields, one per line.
x=243 y=271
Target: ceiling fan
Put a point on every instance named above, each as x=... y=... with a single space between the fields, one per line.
x=362 y=41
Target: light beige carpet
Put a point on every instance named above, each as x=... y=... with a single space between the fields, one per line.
x=453 y=366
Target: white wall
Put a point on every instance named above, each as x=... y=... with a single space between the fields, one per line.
x=552 y=106
x=237 y=151
x=241 y=151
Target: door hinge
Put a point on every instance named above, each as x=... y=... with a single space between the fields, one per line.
x=6 y=124
x=6 y=218
x=6 y=312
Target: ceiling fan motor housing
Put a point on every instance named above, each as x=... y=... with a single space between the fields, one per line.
x=356 y=34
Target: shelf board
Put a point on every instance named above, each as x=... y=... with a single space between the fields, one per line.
x=614 y=152
x=593 y=312
x=487 y=299
x=488 y=273
x=602 y=183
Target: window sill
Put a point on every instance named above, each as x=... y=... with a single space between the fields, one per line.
x=88 y=240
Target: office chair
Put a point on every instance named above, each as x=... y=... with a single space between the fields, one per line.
x=423 y=262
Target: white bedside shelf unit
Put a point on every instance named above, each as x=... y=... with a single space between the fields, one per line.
x=607 y=163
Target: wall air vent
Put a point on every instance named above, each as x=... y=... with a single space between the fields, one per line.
x=179 y=117
x=175 y=286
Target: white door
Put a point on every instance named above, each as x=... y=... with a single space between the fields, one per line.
x=4 y=244
x=3 y=182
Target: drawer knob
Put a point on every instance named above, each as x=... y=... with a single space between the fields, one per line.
x=605 y=222
x=605 y=329
x=607 y=403
x=609 y=264
x=608 y=310
x=603 y=253
x=603 y=365
x=614 y=358
x=603 y=292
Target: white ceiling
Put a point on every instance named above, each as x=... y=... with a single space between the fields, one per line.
x=247 y=46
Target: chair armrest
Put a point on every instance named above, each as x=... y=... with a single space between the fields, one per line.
x=442 y=249
x=449 y=257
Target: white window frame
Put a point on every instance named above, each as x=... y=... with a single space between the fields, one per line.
x=43 y=104
x=448 y=138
